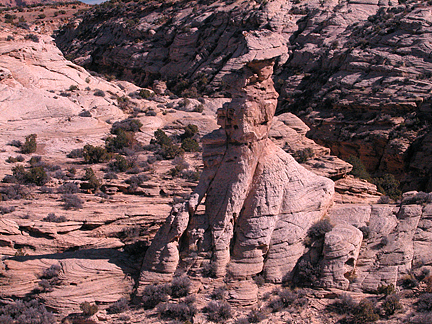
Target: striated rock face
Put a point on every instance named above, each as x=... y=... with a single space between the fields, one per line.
x=259 y=202
x=341 y=250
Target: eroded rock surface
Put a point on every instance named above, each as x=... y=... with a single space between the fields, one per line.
x=259 y=201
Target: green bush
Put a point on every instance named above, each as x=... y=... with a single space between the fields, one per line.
x=36 y=175
x=89 y=309
x=145 y=93
x=30 y=144
x=127 y=125
x=72 y=201
x=95 y=154
x=365 y=312
x=391 y=304
x=359 y=170
x=386 y=289
x=388 y=185
x=153 y=295
x=120 y=164
x=120 y=141
x=189 y=131
x=180 y=287
x=190 y=145
x=93 y=182
x=218 y=311
x=303 y=155
x=320 y=228
x=31 y=312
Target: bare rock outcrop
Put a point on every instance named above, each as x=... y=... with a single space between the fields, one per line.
x=356 y=71
x=259 y=202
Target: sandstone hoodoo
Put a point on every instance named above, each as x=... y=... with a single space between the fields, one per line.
x=259 y=202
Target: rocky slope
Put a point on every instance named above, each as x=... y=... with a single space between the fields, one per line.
x=65 y=254
x=358 y=72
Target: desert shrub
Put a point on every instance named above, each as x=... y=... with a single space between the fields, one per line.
x=218 y=311
x=303 y=155
x=307 y=273
x=199 y=108
x=153 y=295
x=119 y=164
x=18 y=158
x=344 y=304
x=145 y=93
x=68 y=188
x=36 y=161
x=54 y=219
x=189 y=131
x=15 y=143
x=256 y=315
x=383 y=200
x=51 y=272
x=99 y=93
x=180 y=311
x=408 y=281
x=36 y=175
x=75 y=153
x=365 y=312
x=286 y=298
x=365 y=231
x=59 y=175
x=14 y=192
x=73 y=87
x=359 y=170
x=242 y=320
x=151 y=113
x=218 y=293
x=192 y=175
x=424 y=303
x=388 y=185
x=88 y=309
x=85 y=113
x=41 y=16
x=118 y=307
x=11 y=159
x=135 y=181
x=133 y=170
x=391 y=304
x=30 y=144
x=190 y=145
x=72 y=201
x=110 y=175
x=386 y=289
x=95 y=154
x=180 y=286
x=6 y=210
x=45 y=285
x=428 y=282
x=32 y=37
x=93 y=182
x=171 y=151
x=421 y=319
x=320 y=228
x=259 y=280
x=120 y=141
x=162 y=138
x=208 y=270
x=31 y=312
x=127 y=125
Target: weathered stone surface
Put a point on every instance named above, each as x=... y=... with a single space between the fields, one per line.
x=341 y=250
x=259 y=201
